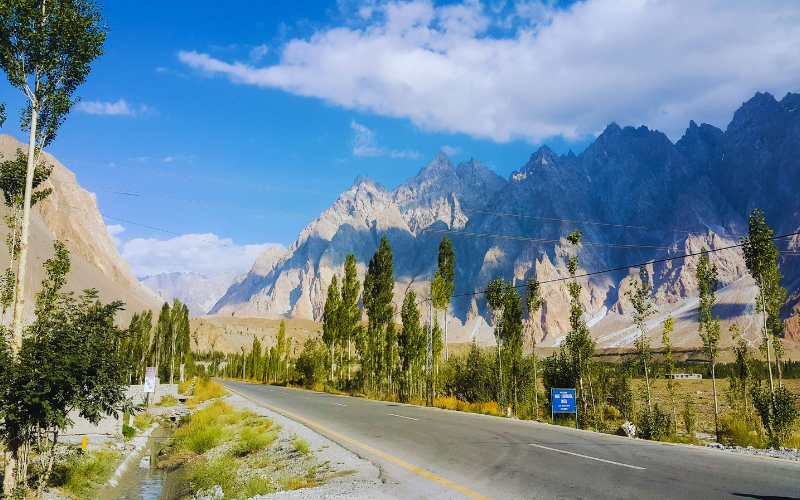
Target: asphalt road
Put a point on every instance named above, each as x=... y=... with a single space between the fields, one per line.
x=431 y=453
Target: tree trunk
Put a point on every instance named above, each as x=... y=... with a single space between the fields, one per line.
x=19 y=301
x=535 y=387
x=9 y=474
x=716 y=403
x=349 y=360
x=51 y=458
x=768 y=342
x=647 y=384
x=445 y=333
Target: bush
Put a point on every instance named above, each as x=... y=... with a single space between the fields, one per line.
x=204 y=475
x=655 y=424
x=184 y=387
x=689 y=417
x=206 y=389
x=83 y=473
x=128 y=432
x=143 y=421
x=252 y=439
x=301 y=445
x=167 y=400
x=779 y=415
x=735 y=430
x=204 y=429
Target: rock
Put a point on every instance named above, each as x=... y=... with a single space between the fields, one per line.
x=627 y=429
x=212 y=493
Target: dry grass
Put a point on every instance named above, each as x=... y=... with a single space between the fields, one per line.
x=205 y=389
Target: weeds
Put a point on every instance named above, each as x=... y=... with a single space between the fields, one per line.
x=206 y=389
x=167 y=400
x=301 y=445
x=253 y=439
x=82 y=474
x=143 y=421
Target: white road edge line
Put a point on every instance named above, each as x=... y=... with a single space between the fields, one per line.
x=339 y=404
x=403 y=416
x=588 y=457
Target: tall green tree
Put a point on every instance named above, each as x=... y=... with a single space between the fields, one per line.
x=761 y=258
x=533 y=303
x=70 y=363
x=707 y=282
x=578 y=346
x=495 y=298
x=408 y=341
x=350 y=314
x=331 y=321
x=443 y=284
x=512 y=333
x=377 y=299
x=46 y=50
x=669 y=361
x=162 y=340
x=641 y=297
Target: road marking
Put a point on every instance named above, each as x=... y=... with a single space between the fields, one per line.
x=339 y=404
x=588 y=457
x=402 y=416
x=364 y=446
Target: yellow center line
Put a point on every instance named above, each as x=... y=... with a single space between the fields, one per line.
x=370 y=449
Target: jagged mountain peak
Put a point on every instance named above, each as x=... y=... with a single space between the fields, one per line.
x=791 y=102
x=756 y=111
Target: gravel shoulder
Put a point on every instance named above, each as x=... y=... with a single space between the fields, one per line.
x=351 y=477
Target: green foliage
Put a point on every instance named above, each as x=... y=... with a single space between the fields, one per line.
x=221 y=471
x=301 y=445
x=735 y=430
x=689 y=417
x=411 y=342
x=669 y=362
x=312 y=362
x=81 y=474
x=641 y=298
x=46 y=50
x=143 y=421
x=778 y=413
x=473 y=379
x=654 y=424
x=377 y=299
x=252 y=439
x=331 y=317
x=708 y=328
x=128 y=431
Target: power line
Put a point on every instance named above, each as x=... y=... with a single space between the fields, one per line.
x=154 y=228
x=623 y=268
x=572 y=221
x=538 y=240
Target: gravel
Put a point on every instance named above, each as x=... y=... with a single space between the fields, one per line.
x=350 y=476
x=782 y=453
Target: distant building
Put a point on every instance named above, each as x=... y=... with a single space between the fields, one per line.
x=686 y=376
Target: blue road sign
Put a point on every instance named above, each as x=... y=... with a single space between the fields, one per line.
x=563 y=401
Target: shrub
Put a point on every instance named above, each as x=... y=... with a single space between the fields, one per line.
x=252 y=439
x=206 y=389
x=655 y=424
x=143 y=421
x=167 y=400
x=735 y=430
x=204 y=429
x=689 y=417
x=185 y=386
x=83 y=473
x=778 y=414
x=220 y=471
x=128 y=432
x=301 y=445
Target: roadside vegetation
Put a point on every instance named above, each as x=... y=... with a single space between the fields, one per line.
x=751 y=401
x=80 y=475
x=239 y=452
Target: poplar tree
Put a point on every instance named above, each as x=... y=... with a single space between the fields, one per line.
x=46 y=49
x=578 y=346
x=761 y=258
x=443 y=284
x=533 y=302
x=330 y=321
x=377 y=299
x=640 y=296
x=512 y=339
x=408 y=340
x=669 y=361
x=159 y=348
x=707 y=282
x=350 y=314
x=494 y=298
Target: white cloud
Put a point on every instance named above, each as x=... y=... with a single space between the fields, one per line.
x=365 y=145
x=206 y=254
x=116 y=108
x=548 y=71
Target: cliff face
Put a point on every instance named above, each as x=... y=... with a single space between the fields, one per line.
x=634 y=194
x=70 y=214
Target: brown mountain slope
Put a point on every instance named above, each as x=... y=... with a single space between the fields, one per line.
x=70 y=214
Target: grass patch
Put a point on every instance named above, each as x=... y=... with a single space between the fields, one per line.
x=143 y=421
x=452 y=403
x=185 y=387
x=206 y=389
x=219 y=471
x=128 y=432
x=84 y=473
x=167 y=400
x=252 y=439
x=735 y=430
x=204 y=429
x=301 y=445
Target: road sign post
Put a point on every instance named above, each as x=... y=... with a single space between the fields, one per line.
x=563 y=401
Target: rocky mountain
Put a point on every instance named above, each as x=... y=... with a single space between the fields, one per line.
x=199 y=292
x=634 y=194
x=70 y=214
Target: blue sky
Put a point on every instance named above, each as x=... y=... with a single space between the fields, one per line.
x=242 y=121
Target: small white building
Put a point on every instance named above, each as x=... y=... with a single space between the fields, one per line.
x=686 y=376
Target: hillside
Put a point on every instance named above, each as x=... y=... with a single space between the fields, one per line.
x=634 y=194
x=70 y=214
